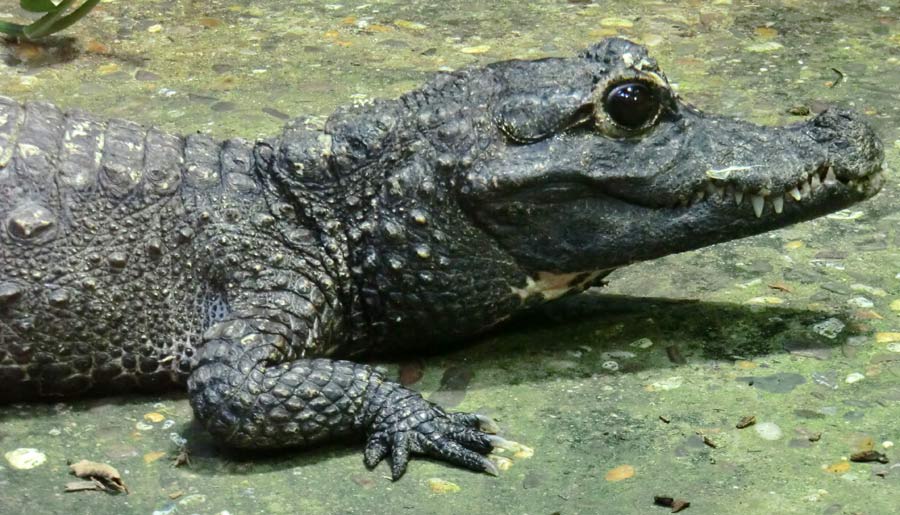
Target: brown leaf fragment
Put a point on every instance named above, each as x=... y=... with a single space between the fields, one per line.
x=669 y=502
x=665 y=419
x=868 y=456
x=815 y=437
x=707 y=441
x=747 y=421
x=81 y=486
x=662 y=500
x=781 y=287
x=106 y=475
x=176 y=494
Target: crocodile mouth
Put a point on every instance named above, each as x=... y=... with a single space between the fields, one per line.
x=719 y=191
x=823 y=183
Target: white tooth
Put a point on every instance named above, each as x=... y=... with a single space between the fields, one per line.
x=814 y=183
x=758 y=202
x=729 y=192
x=851 y=183
x=711 y=189
x=738 y=197
x=796 y=194
x=830 y=177
x=804 y=189
x=778 y=203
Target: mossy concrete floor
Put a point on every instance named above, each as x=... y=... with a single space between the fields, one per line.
x=614 y=391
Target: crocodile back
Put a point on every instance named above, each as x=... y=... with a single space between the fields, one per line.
x=101 y=279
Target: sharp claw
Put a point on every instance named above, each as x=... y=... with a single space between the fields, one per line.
x=409 y=425
x=375 y=451
x=522 y=451
x=487 y=424
x=501 y=443
x=399 y=456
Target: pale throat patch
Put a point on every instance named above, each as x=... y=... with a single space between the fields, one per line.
x=552 y=286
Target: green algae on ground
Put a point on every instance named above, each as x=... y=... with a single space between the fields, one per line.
x=240 y=68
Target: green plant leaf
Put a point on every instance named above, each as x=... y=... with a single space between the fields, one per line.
x=38 y=6
x=41 y=27
x=70 y=18
x=13 y=29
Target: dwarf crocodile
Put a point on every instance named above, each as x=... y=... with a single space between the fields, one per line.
x=256 y=274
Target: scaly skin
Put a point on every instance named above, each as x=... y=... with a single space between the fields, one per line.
x=132 y=259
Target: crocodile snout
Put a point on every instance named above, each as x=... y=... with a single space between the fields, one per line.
x=854 y=150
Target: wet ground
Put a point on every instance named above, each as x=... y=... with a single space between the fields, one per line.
x=626 y=394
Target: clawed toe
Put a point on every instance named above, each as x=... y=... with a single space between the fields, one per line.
x=399 y=455
x=475 y=421
x=458 y=438
x=376 y=450
x=457 y=454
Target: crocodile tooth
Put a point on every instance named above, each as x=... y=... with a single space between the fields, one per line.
x=804 y=189
x=830 y=177
x=851 y=183
x=738 y=197
x=814 y=182
x=758 y=202
x=778 y=203
x=796 y=194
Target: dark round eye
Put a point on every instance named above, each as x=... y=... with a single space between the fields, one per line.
x=632 y=105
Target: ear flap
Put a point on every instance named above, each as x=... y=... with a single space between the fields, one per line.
x=530 y=117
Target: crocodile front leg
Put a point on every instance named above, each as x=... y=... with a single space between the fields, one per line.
x=252 y=389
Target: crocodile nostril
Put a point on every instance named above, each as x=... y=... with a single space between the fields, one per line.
x=843 y=119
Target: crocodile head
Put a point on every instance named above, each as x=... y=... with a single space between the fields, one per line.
x=599 y=164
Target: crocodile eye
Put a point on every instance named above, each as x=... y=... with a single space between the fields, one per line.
x=632 y=105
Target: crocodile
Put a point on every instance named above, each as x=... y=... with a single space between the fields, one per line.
x=261 y=275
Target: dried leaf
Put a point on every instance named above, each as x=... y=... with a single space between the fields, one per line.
x=867 y=456
x=669 y=502
x=81 y=486
x=680 y=504
x=781 y=287
x=747 y=421
x=107 y=475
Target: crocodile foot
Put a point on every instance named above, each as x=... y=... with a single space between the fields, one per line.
x=411 y=425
